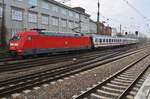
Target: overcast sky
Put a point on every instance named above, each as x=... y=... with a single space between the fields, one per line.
x=116 y=12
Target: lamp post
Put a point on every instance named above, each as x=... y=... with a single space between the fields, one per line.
x=3 y=27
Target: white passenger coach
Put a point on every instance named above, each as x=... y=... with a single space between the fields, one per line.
x=104 y=41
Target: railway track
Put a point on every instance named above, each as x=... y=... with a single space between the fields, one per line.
x=18 y=84
x=51 y=60
x=6 y=58
x=122 y=85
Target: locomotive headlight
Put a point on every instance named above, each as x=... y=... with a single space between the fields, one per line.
x=11 y=44
x=16 y=44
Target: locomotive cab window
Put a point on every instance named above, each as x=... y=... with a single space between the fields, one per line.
x=16 y=37
x=29 y=37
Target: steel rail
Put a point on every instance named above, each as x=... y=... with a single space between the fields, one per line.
x=87 y=93
x=49 y=76
x=50 y=60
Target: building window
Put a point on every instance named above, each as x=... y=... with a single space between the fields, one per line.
x=33 y=2
x=45 y=19
x=17 y=15
x=19 y=0
x=32 y=17
x=1 y=11
x=63 y=11
x=77 y=15
x=76 y=24
x=55 y=21
x=63 y=23
x=85 y=27
x=55 y=8
x=70 y=24
x=45 y=5
x=70 y=13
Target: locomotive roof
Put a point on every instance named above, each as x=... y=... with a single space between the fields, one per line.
x=50 y=33
x=27 y=33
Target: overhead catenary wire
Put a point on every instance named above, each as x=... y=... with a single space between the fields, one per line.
x=104 y=17
x=134 y=8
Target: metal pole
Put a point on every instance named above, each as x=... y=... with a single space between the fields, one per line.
x=120 y=29
x=3 y=28
x=98 y=17
x=80 y=22
x=98 y=13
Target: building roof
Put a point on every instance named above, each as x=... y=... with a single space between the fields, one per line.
x=92 y=21
x=67 y=7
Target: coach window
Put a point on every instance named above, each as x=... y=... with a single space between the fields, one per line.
x=29 y=37
x=100 y=40
x=112 y=40
x=106 y=40
x=109 y=40
x=103 y=40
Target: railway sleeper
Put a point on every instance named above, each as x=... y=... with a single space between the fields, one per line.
x=128 y=76
x=116 y=86
x=131 y=72
x=142 y=79
x=140 y=82
x=138 y=86
x=108 y=94
x=96 y=96
x=135 y=89
x=124 y=80
x=127 y=72
x=112 y=89
x=129 y=97
x=120 y=83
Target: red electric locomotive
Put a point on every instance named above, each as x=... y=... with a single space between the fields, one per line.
x=38 y=42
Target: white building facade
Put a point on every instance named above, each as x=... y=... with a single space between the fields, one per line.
x=46 y=14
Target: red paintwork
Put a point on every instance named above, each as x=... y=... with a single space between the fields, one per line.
x=44 y=41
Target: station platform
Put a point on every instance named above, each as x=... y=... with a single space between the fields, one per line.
x=144 y=92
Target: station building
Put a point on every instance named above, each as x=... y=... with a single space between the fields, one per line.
x=46 y=14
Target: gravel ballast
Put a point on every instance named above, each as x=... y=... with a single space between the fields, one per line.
x=73 y=85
